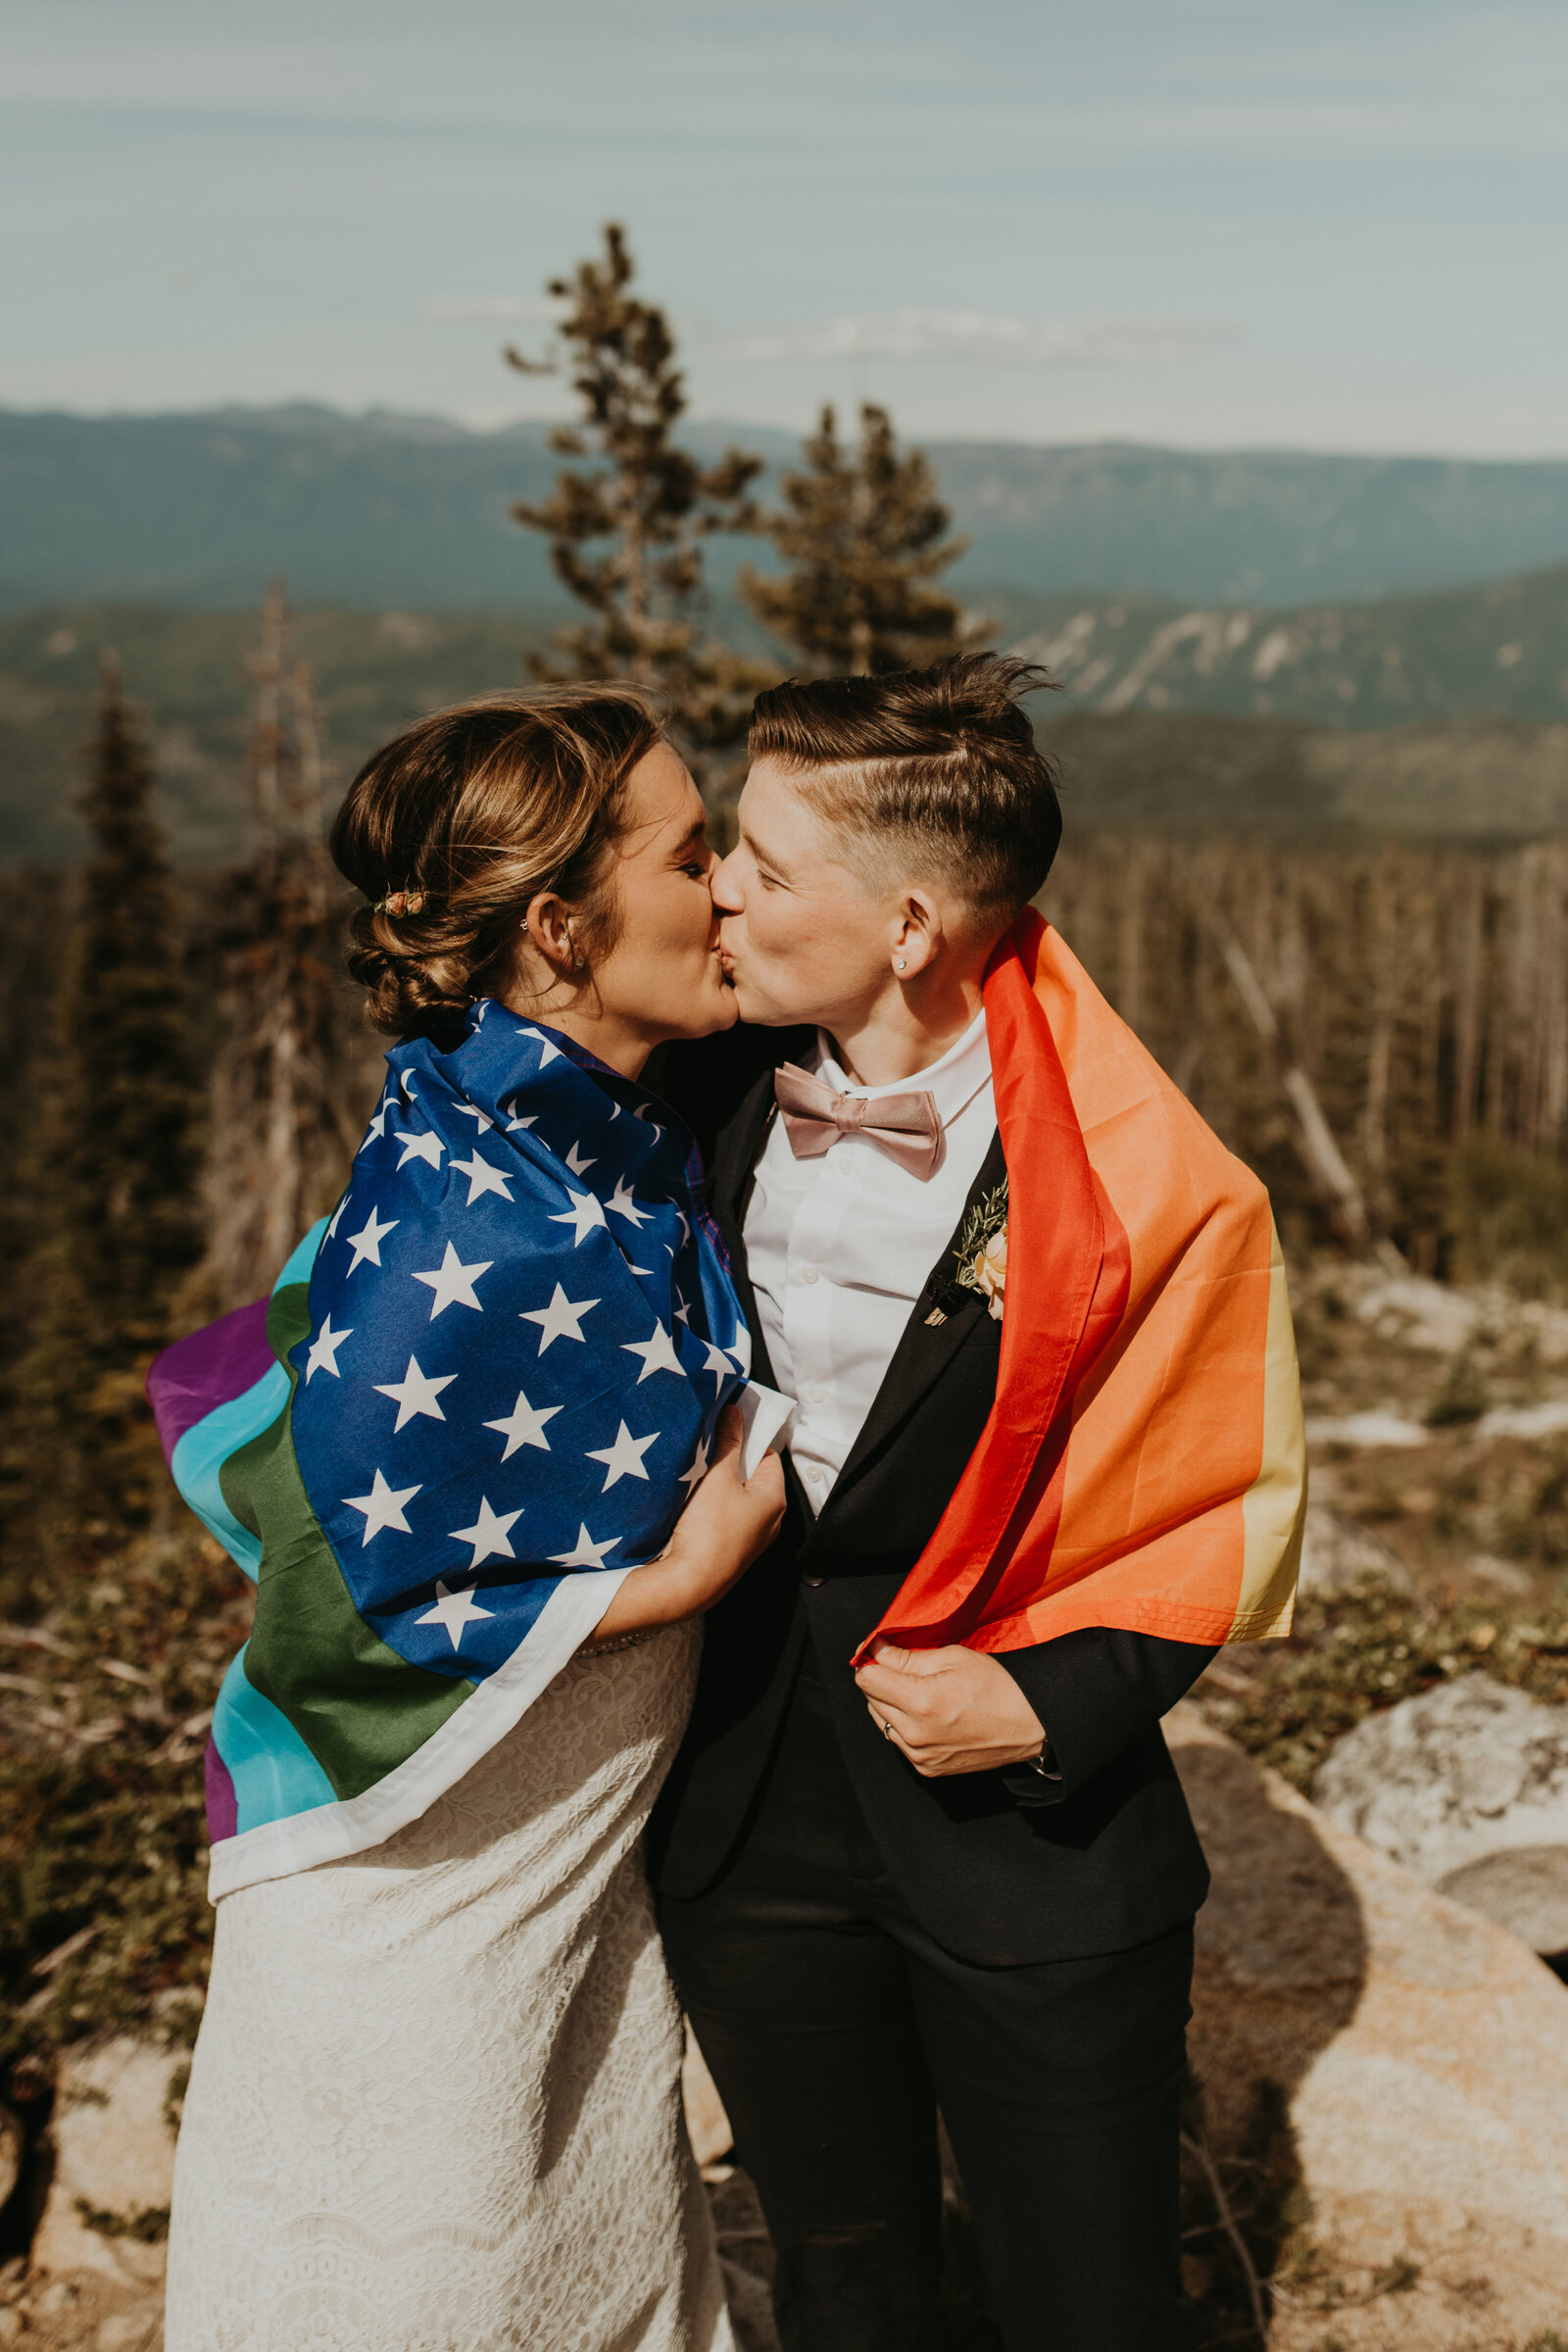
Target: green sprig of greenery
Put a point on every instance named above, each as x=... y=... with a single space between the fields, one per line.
x=981 y=1226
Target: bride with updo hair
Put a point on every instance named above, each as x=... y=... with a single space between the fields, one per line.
x=484 y=1454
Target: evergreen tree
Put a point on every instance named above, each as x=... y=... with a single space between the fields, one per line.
x=864 y=533
x=626 y=537
x=134 y=1150
x=117 y=1156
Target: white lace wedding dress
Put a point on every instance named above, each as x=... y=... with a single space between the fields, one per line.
x=436 y=2104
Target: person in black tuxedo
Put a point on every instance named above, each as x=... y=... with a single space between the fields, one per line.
x=953 y=1880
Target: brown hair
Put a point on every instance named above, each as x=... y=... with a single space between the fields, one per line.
x=942 y=760
x=471 y=812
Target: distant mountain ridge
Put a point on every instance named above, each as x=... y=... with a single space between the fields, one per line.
x=387 y=511
x=1499 y=651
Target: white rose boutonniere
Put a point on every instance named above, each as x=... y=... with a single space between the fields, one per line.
x=982 y=1259
x=991 y=1272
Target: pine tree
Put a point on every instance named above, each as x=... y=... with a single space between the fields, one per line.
x=864 y=535
x=626 y=537
x=117 y=1156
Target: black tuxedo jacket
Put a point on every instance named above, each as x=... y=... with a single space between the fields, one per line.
x=1000 y=1867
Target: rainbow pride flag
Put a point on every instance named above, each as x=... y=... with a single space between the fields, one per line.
x=1144 y=1463
x=479 y=1393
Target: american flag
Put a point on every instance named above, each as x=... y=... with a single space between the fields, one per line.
x=489 y=1383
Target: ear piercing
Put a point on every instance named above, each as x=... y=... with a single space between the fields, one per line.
x=897 y=964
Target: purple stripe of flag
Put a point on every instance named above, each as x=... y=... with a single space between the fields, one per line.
x=214 y=1366
x=222 y=1805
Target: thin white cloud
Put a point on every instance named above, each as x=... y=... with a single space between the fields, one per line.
x=982 y=338
x=518 y=310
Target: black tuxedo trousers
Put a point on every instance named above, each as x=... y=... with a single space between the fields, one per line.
x=836 y=2026
x=855 y=1943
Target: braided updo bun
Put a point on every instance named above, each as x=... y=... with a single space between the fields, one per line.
x=453 y=827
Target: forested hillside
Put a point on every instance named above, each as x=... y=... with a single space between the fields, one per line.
x=1397 y=717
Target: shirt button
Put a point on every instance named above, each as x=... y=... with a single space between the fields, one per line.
x=808 y=1274
x=815 y=1472
x=817 y=1395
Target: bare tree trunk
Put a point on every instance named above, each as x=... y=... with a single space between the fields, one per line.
x=1469 y=940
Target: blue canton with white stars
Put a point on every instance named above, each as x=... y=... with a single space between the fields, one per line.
x=522 y=1333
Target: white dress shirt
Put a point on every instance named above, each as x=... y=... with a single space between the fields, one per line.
x=839 y=1248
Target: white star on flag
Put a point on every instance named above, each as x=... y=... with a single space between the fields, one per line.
x=657 y=1353
x=331 y=1231
x=740 y=1347
x=415 y=1393
x=512 y=1124
x=488 y=1534
x=483 y=1177
x=377 y=1125
x=683 y=1314
x=621 y=1204
x=382 y=1507
x=453 y=1611
x=624 y=1459
x=562 y=1319
x=685 y=1229
x=549 y=1054
x=525 y=1425
x=453 y=1281
x=366 y=1242
x=578 y=1167
x=644 y=1113
x=323 y=1352
x=717 y=1362
x=646 y=1271
x=693 y=1477
x=472 y=1110
x=585 y=1213
x=427 y=1147
x=587 y=1554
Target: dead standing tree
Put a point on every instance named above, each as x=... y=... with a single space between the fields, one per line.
x=1382 y=1032
x=287 y=1084
x=866 y=535
x=626 y=537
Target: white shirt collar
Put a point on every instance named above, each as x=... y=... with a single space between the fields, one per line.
x=953 y=1081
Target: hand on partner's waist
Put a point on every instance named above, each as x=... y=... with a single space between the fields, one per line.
x=949 y=1710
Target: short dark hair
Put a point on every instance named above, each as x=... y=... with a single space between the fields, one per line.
x=941 y=759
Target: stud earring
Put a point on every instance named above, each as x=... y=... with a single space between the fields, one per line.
x=897 y=964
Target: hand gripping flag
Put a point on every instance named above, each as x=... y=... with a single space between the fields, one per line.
x=1145 y=1464
x=479 y=1395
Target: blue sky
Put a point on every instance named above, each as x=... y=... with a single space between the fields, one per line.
x=1212 y=223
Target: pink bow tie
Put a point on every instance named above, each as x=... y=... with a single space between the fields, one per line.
x=904 y=1126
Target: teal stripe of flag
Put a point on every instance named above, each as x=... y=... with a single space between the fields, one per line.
x=274 y=1772
x=199 y=1457
x=201 y=1452
x=298 y=1267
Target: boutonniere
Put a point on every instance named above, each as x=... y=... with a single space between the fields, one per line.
x=982 y=1259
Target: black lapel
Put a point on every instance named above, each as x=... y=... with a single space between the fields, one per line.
x=924 y=1349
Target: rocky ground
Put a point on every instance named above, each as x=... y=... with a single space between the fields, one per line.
x=1373 y=2155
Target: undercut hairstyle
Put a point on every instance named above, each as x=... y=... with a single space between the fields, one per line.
x=938 y=768
x=457 y=824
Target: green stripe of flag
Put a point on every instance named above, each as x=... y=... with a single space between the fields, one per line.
x=360 y=1708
